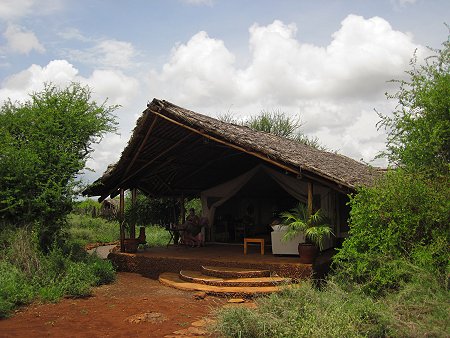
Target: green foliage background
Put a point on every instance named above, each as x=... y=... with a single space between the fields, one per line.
x=44 y=143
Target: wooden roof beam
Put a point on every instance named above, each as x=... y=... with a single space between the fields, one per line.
x=144 y=141
x=265 y=158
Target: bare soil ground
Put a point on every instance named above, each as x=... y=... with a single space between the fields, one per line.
x=133 y=306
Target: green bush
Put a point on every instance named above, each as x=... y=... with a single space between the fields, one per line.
x=45 y=142
x=103 y=270
x=403 y=216
x=419 y=308
x=78 y=280
x=14 y=288
x=26 y=274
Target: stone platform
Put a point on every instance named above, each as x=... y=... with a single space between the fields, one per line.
x=154 y=261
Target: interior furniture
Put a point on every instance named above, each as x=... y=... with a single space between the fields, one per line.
x=254 y=240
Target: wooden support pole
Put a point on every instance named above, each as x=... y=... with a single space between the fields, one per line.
x=121 y=220
x=183 y=212
x=133 y=222
x=310 y=198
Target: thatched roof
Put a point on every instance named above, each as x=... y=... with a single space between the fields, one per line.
x=174 y=150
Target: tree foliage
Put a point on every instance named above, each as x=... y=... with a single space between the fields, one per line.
x=278 y=123
x=44 y=143
x=419 y=129
x=149 y=210
x=404 y=218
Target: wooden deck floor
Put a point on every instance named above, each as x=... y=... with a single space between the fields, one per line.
x=154 y=261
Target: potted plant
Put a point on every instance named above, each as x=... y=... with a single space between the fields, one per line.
x=313 y=226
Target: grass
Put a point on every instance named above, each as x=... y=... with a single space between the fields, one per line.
x=27 y=275
x=419 y=309
x=86 y=229
x=306 y=312
x=156 y=236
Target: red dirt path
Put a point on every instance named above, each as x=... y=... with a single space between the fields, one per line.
x=105 y=313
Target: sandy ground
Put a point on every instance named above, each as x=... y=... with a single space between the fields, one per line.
x=133 y=306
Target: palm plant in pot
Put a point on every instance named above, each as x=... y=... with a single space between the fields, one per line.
x=312 y=225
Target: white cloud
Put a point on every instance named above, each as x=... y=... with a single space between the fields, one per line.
x=199 y=70
x=362 y=56
x=119 y=88
x=106 y=152
x=73 y=34
x=106 y=53
x=18 y=86
x=10 y=9
x=334 y=87
x=15 y=9
x=114 y=85
x=22 y=41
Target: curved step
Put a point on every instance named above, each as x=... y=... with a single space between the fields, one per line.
x=172 y=279
x=227 y=272
x=198 y=277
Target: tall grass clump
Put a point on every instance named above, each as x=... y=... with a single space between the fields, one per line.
x=27 y=274
x=303 y=311
x=421 y=308
x=85 y=229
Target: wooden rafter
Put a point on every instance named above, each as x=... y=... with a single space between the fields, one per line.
x=144 y=141
x=258 y=155
x=122 y=183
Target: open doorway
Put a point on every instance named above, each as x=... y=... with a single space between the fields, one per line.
x=251 y=210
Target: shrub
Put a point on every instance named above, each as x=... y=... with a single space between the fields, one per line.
x=402 y=216
x=103 y=271
x=14 y=288
x=149 y=210
x=45 y=142
x=66 y=271
x=78 y=280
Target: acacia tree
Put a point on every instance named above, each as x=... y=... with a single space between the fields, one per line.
x=404 y=218
x=278 y=123
x=44 y=143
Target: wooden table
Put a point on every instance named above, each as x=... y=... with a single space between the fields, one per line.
x=254 y=240
x=173 y=232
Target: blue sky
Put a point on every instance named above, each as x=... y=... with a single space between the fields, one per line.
x=328 y=61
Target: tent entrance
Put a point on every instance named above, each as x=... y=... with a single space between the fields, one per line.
x=250 y=211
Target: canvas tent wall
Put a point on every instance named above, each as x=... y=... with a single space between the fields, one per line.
x=217 y=196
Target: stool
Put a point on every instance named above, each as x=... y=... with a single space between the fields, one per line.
x=254 y=240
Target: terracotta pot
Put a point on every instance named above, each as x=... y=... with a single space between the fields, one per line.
x=130 y=245
x=307 y=252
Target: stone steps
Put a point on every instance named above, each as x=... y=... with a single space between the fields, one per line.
x=225 y=282
x=173 y=279
x=200 y=278
x=227 y=272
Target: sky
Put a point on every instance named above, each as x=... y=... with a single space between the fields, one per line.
x=328 y=62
